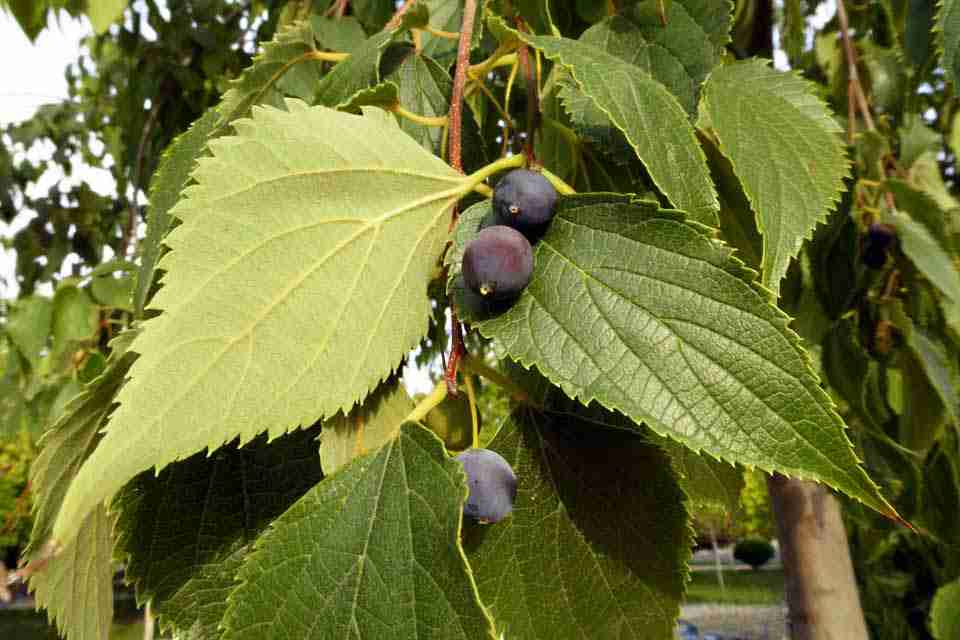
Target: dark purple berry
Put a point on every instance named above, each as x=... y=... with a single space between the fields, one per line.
x=524 y=200
x=493 y=485
x=879 y=239
x=498 y=263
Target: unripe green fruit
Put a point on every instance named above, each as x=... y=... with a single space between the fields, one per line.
x=451 y=421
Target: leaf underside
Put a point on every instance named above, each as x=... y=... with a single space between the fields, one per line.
x=294 y=285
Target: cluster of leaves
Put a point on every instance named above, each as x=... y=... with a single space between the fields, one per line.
x=15 y=517
x=889 y=339
x=293 y=259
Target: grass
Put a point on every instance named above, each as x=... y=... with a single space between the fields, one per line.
x=742 y=587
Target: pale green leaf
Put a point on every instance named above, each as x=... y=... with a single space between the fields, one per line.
x=184 y=533
x=633 y=308
x=652 y=120
x=916 y=139
x=372 y=552
x=29 y=322
x=103 y=13
x=69 y=442
x=597 y=544
x=948 y=38
x=364 y=429
x=289 y=50
x=76 y=585
x=945 y=612
x=924 y=174
x=295 y=284
x=784 y=146
x=75 y=317
x=171 y=177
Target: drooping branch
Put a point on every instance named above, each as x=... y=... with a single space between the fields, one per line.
x=854 y=87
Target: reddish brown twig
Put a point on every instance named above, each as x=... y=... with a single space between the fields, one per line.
x=854 y=87
x=395 y=20
x=456 y=161
x=459 y=83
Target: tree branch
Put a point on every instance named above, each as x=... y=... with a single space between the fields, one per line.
x=854 y=88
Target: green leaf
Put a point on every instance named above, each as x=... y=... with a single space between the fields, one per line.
x=738 y=224
x=597 y=544
x=364 y=429
x=69 y=442
x=290 y=48
x=633 y=308
x=709 y=483
x=652 y=120
x=358 y=72
x=76 y=586
x=713 y=16
x=75 y=317
x=783 y=145
x=681 y=42
x=928 y=255
x=103 y=13
x=425 y=90
x=948 y=38
x=343 y=34
x=29 y=322
x=918 y=30
x=351 y=232
x=925 y=175
x=113 y=292
x=945 y=612
x=371 y=552
x=171 y=177
x=217 y=505
x=916 y=139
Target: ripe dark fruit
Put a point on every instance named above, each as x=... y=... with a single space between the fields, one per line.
x=524 y=200
x=493 y=485
x=880 y=237
x=451 y=421
x=498 y=263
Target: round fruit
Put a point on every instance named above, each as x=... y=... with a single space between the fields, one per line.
x=880 y=237
x=498 y=263
x=493 y=485
x=451 y=421
x=524 y=200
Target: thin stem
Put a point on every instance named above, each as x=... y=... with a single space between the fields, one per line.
x=506 y=101
x=562 y=187
x=440 y=33
x=853 y=78
x=325 y=56
x=395 y=20
x=474 y=365
x=474 y=418
x=455 y=131
x=480 y=84
x=427 y=404
x=427 y=121
x=533 y=106
x=510 y=162
x=483 y=190
x=502 y=57
x=459 y=83
x=457 y=351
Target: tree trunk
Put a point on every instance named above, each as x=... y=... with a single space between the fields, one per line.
x=821 y=588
